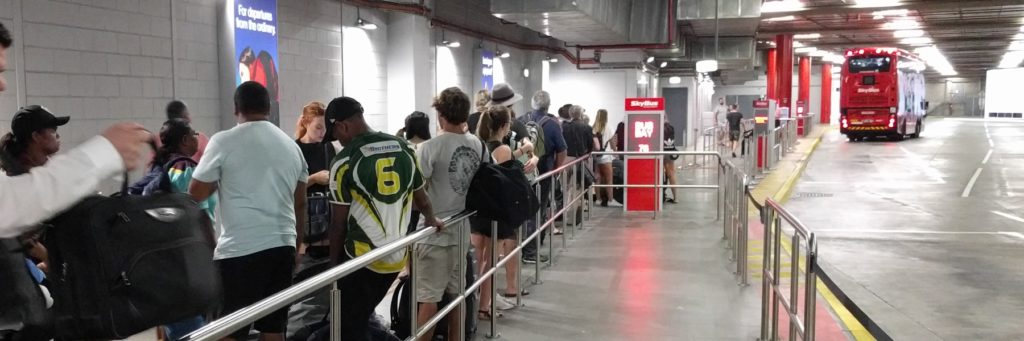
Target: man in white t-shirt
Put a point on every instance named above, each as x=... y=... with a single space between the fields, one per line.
x=721 y=111
x=448 y=163
x=259 y=174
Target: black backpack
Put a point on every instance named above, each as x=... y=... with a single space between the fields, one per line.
x=402 y=295
x=502 y=192
x=121 y=265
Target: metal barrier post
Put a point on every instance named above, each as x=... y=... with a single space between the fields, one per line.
x=578 y=171
x=744 y=208
x=810 y=297
x=519 y=267
x=537 y=225
x=414 y=308
x=552 y=210
x=567 y=192
x=494 y=283
x=463 y=231
x=335 y=312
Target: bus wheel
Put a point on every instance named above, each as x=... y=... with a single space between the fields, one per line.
x=852 y=138
x=897 y=137
x=920 y=127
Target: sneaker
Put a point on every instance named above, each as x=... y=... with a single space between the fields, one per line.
x=501 y=303
x=733 y=154
x=533 y=259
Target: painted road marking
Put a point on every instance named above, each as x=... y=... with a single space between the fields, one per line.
x=987 y=156
x=1009 y=216
x=875 y=231
x=970 y=184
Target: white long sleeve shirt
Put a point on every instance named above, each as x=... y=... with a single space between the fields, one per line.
x=29 y=199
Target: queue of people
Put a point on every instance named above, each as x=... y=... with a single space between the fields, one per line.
x=280 y=209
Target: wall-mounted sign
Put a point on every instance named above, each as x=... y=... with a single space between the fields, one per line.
x=255 y=29
x=487 y=69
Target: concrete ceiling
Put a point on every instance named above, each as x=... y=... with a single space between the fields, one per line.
x=972 y=34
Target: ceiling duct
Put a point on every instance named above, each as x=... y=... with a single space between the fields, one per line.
x=736 y=17
x=588 y=22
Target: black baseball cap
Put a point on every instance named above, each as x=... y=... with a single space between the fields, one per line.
x=33 y=118
x=340 y=109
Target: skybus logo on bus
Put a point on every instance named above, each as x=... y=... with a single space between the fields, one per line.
x=868 y=91
x=642 y=104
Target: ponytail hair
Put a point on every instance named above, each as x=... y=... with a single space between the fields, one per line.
x=171 y=135
x=14 y=148
x=491 y=121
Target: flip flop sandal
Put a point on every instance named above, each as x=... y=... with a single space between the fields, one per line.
x=485 y=315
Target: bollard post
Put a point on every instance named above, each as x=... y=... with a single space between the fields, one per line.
x=413 y=307
x=553 y=209
x=462 y=281
x=519 y=267
x=563 y=182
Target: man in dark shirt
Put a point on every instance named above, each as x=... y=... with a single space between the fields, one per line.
x=735 y=119
x=554 y=157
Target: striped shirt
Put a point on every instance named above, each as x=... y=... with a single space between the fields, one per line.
x=376 y=175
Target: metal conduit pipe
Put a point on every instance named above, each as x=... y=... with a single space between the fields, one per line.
x=421 y=10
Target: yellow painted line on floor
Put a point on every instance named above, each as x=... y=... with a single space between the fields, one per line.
x=848 y=321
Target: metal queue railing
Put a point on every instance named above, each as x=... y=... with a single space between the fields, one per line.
x=801 y=251
x=224 y=326
x=735 y=224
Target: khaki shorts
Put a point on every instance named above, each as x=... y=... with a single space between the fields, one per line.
x=437 y=272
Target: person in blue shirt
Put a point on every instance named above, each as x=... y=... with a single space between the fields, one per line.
x=555 y=153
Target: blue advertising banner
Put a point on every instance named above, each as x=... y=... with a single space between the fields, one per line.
x=255 y=29
x=487 y=60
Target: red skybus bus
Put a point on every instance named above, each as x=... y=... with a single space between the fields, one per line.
x=882 y=94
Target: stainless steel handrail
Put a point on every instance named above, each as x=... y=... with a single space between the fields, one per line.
x=223 y=326
x=772 y=292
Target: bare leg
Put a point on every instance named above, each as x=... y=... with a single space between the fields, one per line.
x=511 y=267
x=426 y=312
x=670 y=171
x=606 y=178
x=482 y=244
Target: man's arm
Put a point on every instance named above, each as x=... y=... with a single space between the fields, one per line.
x=200 y=190
x=300 y=214
x=336 y=233
x=422 y=201
x=28 y=199
x=554 y=134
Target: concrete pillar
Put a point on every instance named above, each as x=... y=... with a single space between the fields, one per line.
x=784 y=45
x=773 y=74
x=826 y=93
x=410 y=59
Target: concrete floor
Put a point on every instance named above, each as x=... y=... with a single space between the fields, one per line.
x=628 y=277
x=899 y=237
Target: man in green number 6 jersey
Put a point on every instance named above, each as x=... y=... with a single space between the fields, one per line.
x=375 y=181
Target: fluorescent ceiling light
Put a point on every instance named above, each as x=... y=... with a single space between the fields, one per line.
x=818 y=53
x=675 y=80
x=791 y=18
x=366 y=25
x=708 y=65
x=504 y=54
x=650 y=59
x=805 y=49
x=1011 y=59
x=907 y=33
x=902 y=24
x=553 y=60
x=916 y=41
x=892 y=13
x=798 y=44
x=664 y=64
x=936 y=60
x=837 y=69
x=450 y=43
x=781 y=6
x=1017 y=45
x=835 y=59
x=526 y=72
x=1018 y=36
x=807 y=36
x=876 y=3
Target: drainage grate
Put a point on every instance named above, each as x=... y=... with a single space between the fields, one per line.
x=814 y=195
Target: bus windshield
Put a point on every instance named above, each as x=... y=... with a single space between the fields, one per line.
x=869 y=63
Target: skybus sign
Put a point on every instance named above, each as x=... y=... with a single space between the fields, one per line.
x=645 y=104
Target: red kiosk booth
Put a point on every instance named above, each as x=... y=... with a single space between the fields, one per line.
x=645 y=119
